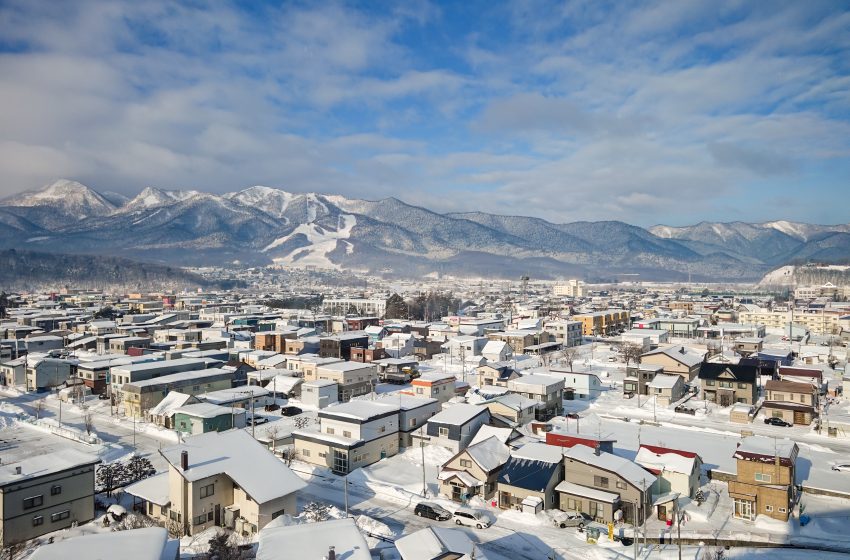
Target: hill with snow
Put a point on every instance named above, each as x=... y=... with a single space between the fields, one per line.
x=263 y=225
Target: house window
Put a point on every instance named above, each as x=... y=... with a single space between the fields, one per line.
x=709 y=383
x=742 y=385
x=209 y=516
x=330 y=430
x=443 y=432
x=412 y=422
x=762 y=477
x=200 y=520
x=33 y=501
x=466 y=463
x=322 y=455
x=37 y=520
x=419 y=390
x=60 y=515
x=305 y=452
x=621 y=485
x=346 y=433
x=768 y=508
x=208 y=490
x=782 y=510
x=726 y=384
x=382 y=429
x=56 y=490
x=601 y=481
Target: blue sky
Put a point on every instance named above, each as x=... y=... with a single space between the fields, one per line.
x=657 y=112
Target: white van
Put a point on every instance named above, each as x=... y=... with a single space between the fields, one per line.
x=471 y=518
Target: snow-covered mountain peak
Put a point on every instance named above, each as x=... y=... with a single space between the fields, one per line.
x=69 y=197
x=268 y=199
x=152 y=197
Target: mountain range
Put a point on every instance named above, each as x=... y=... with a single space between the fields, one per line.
x=263 y=225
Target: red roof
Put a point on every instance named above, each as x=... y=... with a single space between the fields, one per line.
x=801 y=372
x=658 y=450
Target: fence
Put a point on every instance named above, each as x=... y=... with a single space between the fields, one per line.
x=67 y=433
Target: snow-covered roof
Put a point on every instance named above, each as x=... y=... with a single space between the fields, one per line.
x=239 y=456
x=235 y=394
x=171 y=402
x=436 y=542
x=360 y=409
x=536 y=451
x=592 y=493
x=536 y=380
x=681 y=354
x=494 y=347
x=149 y=543
x=458 y=414
x=487 y=431
x=632 y=472
x=664 y=381
x=42 y=465
x=206 y=410
x=468 y=480
x=490 y=454
x=766 y=448
x=312 y=540
x=672 y=462
x=153 y=489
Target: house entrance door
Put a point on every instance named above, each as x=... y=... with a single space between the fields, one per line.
x=799 y=417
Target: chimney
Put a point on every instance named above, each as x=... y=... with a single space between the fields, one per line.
x=331 y=553
x=18 y=470
x=596 y=449
x=184 y=460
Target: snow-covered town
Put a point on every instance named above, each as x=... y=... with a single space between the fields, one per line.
x=513 y=420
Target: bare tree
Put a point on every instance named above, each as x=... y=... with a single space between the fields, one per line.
x=569 y=354
x=88 y=421
x=273 y=431
x=289 y=454
x=630 y=352
x=38 y=406
x=13 y=550
x=301 y=422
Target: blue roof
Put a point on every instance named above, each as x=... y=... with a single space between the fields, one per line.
x=528 y=474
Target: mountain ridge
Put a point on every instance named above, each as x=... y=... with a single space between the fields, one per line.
x=262 y=225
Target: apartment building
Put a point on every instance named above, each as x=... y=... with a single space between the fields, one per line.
x=568 y=332
x=130 y=373
x=139 y=397
x=603 y=323
x=571 y=288
x=359 y=306
x=340 y=345
x=818 y=320
x=45 y=493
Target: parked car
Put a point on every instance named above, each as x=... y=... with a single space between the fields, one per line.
x=290 y=411
x=432 y=511
x=777 y=422
x=256 y=420
x=470 y=518
x=564 y=519
x=841 y=467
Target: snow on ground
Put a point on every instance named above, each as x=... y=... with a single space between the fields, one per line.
x=322 y=241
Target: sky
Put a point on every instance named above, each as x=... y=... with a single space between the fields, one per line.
x=647 y=112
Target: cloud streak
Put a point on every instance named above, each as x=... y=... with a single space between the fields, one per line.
x=648 y=113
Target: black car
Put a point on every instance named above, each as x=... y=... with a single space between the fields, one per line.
x=432 y=511
x=290 y=411
x=777 y=422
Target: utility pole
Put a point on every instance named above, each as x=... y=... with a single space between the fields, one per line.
x=345 y=482
x=678 y=525
x=422 y=448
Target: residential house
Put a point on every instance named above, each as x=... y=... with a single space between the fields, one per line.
x=578 y=384
x=438 y=543
x=398 y=345
x=567 y=432
x=462 y=348
x=495 y=374
x=473 y=471
x=163 y=413
x=147 y=543
x=47 y=373
x=600 y=484
x=793 y=401
x=200 y=418
x=340 y=345
x=677 y=471
x=219 y=479
x=130 y=373
x=352 y=378
x=520 y=339
x=727 y=384
x=335 y=538
x=532 y=472
x=351 y=435
x=638 y=378
x=497 y=351
x=666 y=388
x=676 y=360
x=764 y=481
x=368 y=355
x=440 y=386
x=456 y=425
x=319 y=394
x=746 y=346
x=546 y=390
x=413 y=414
x=517 y=409
x=13 y=372
x=45 y=493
